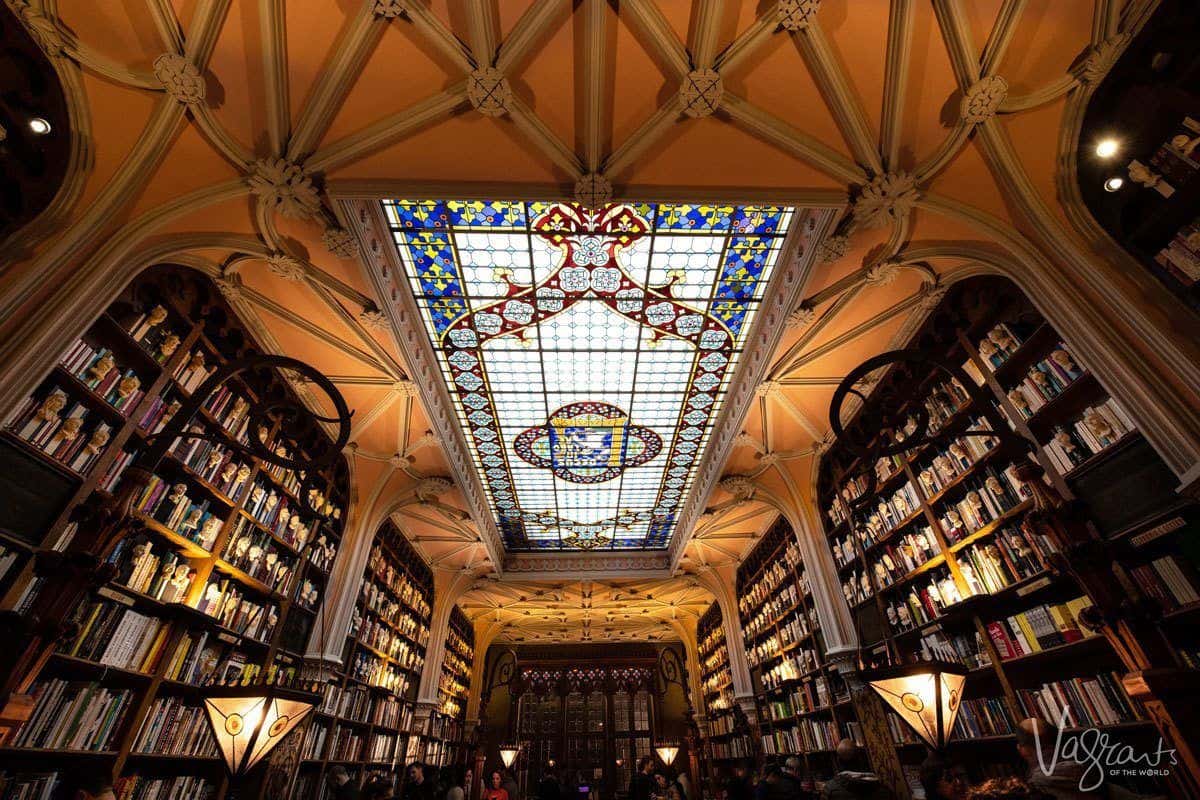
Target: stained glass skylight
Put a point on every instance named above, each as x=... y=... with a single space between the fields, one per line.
x=587 y=353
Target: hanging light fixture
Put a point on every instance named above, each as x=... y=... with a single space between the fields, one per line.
x=926 y=695
x=667 y=751
x=508 y=753
x=249 y=721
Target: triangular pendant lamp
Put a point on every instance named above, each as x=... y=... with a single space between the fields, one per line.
x=926 y=695
x=248 y=722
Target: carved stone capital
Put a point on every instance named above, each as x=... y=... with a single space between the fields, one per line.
x=796 y=15
x=982 y=99
x=489 y=92
x=340 y=242
x=932 y=297
x=432 y=488
x=740 y=486
x=285 y=186
x=1102 y=57
x=230 y=287
x=180 y=78
x=593 y=190
x=701 y=92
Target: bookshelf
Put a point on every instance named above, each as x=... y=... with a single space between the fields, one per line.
x=453 y=687
x=365 y=722
x=934 y=562
x=727 y=740
x=803 y=704
x=221 y=568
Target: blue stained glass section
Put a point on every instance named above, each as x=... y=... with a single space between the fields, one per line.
x=756 y=219
x=689 y=217
x=486 y=214
x=419 y=214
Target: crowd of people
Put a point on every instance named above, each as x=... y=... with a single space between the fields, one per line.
x=1045 y=777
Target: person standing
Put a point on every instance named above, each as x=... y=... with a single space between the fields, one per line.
x=510 y=784
x=343 y=787
x=642 y=785
x=548 y=787
x=854 y=781
x=416 y=783
x=495 y=788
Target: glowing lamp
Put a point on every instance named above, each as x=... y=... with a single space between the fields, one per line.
x=248 y=722
x=508 y=753
x=550 y=762
x=667 y=752
x=926 y=695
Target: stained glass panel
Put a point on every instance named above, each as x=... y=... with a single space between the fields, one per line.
x=588 y=352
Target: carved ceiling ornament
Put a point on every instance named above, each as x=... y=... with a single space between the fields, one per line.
x=593 y=190
x=432 y=488
x=801 y=317
x=489 y=92
x=180 y=78
x=230 y=287
x=739 y=486
x=888 y=196
x=1102 y=57
x=832 y=248
x=286 y=267
x=389 y=9
x=373 y=319
x=701 y=92
x=982 y=99
x=796 y=15
x=340 y=242
x=285 y=186
x=882 y=273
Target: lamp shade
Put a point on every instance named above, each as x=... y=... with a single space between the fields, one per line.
x=926 y=695
x=667 y=751
x=248 y=722
x=508 y=753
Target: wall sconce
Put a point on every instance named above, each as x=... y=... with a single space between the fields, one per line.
x=926 y=695
x=508 y=753
x=667 y=752
x=250 y=721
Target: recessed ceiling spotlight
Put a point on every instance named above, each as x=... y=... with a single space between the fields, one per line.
x=1113 y=184
x=39 y=126
x=1107 y=148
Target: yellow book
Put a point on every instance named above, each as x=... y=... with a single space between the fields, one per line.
x=159 y=642
x=87 y=626
x=1027 y=629
x=1075 y=607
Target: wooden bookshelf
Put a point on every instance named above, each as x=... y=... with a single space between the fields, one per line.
x=934 y=562
x=803 y=704
x=727 y=740
x=157 y=633
x=448 y=725
x=365 y=722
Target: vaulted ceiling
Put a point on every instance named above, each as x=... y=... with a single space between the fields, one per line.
x=224 y=134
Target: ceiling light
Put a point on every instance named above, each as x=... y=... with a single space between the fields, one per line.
x=926 y=695
x=1113 y=184
x=39 y=126
x=667 y=751
x=1107 y=148
x=508 y=753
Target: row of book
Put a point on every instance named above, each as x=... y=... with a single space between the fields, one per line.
x=175 y=727
x=232 y=410
x=1079 y=702
x=791 y=667
x=403 y=619
x=894 y=561
x=1001 y=341
x=1039 y=628
x=890 y=513
x=200 y=658
x=772 y=590
x=97 y=369
x=62 y=433
x=73 y=715
x=224 y=600
x=276 y=512
x=149 y=331
x=1099 y=427
x=373 y=632
x=213 y=462
x=192 y=371
x=170 y=505
x=803 y=698
x=1169 y=580
x=989 y=495
x=959 y=457
x=1044 y=381
x=255 y=552
x=944 y=401
x=157 y=572
x=734 y=747
x=964 y=648
x=117 y=636
x=9 y=556
x=313 y=748
x=151 y=787
x=925 y=602
x=390 y=578
x=806 y=735
x=374 y=671
x=984 y=716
